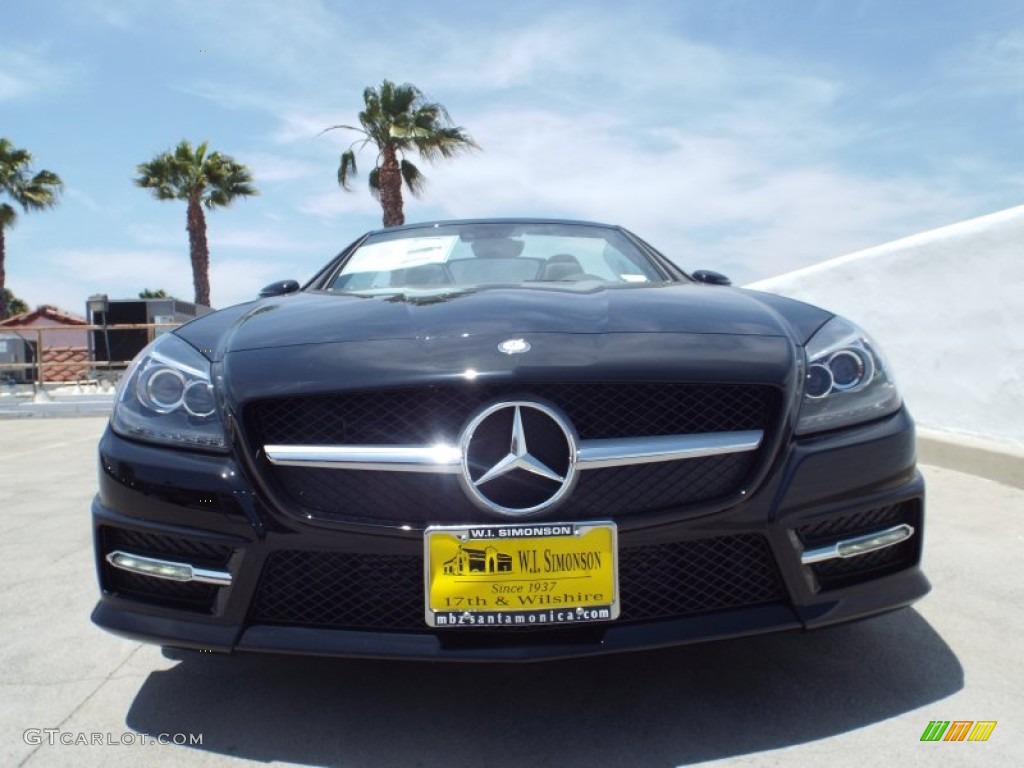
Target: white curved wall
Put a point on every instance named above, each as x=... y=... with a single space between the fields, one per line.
x=947 y=308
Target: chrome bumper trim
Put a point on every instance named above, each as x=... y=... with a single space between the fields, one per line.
x=858 y=545
x=166 y=569
x=447 y=459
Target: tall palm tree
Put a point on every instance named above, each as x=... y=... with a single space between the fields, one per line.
x=398 y=119
x=198 y=178
x=32 y=191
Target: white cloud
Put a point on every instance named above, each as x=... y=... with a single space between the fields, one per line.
x=26 y=71
x=233 y=281
x=252 y=239
x=707 y=200
x=338 y=202
x=995 y=62
x=86 y=271
x=268 y=167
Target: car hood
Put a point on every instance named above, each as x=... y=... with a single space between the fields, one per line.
x=317 y=343
x=319 y=318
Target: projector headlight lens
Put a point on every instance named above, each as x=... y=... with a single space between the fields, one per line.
x=167 y=397
x=847 y=380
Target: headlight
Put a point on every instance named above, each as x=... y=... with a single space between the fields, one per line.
x=847 y=380
x=167 y=397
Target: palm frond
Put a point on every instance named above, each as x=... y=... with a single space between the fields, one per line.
x=346 y=168
x=7 y=216
x=227 y=180
x=403 y=98
x=375 y=183
x=336 y=127
x=32 y=191
x=414 y=180
x=195 y=173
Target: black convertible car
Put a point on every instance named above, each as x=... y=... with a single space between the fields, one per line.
x=504 y=440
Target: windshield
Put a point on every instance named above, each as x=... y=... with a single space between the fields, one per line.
x=500 y=253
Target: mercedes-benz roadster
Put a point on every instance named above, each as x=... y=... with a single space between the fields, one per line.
x=504 y=440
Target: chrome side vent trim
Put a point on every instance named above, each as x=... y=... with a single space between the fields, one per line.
x=858 y=545
x=166 y=569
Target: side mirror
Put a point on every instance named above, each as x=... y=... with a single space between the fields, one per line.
x=710 y=278
x=280 y=288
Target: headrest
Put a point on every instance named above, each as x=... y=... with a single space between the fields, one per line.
x=497 y=248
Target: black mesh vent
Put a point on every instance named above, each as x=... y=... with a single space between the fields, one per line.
x=410 y=497
x=386 y=592
x=165 y=547
x=184 y=595
x=341 y=589
x=190 y=596
x=833 y=574
x=690 y=577
x=597 y=410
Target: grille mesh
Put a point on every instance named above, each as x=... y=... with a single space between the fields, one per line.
x=596 y=409
x=409 y=497
x=869 y=520
x=431 y=414
x=188 y=596
x=386 y=592
x=166 y=547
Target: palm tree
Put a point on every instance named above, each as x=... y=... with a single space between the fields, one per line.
x=192 y=175
x=33 y=192
x=397 y=119
x=15 y=306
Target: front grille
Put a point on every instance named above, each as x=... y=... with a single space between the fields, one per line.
x=833 y=574
x=190 y=596
x=421 y=498
x=386 y=592
x=433 y=414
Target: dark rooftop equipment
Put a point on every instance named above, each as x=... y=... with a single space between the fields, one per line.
x=15 y=349
x=111 y=345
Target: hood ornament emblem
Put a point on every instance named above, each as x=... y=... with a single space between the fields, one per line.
x=514 y=346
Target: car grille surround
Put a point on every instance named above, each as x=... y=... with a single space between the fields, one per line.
x=435 y=414
x=414 y=498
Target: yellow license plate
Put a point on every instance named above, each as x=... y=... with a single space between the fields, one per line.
x=523 y=575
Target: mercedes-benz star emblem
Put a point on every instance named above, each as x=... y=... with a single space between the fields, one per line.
x=514 y=346
x=518 y=458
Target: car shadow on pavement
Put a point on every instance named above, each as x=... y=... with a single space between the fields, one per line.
x=669 y=707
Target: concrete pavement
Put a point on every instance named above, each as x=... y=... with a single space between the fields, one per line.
x=843 y=696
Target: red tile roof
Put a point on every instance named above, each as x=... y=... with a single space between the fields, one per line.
x=65 y=363
x=46 y=312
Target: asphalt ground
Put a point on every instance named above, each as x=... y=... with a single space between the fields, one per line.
x=845 y=696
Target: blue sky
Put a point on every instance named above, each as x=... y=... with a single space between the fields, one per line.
x=746 y=136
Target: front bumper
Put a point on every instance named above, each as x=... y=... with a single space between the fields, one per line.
x=735 y=572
